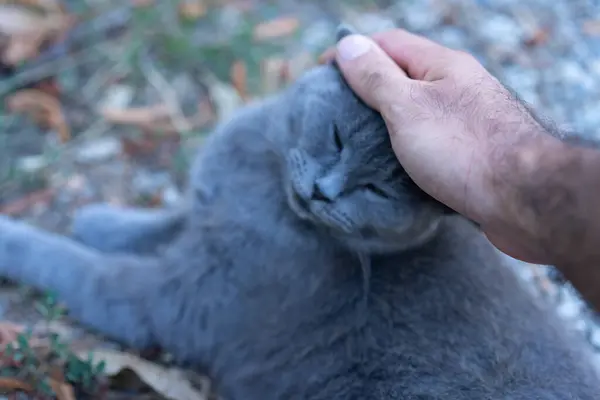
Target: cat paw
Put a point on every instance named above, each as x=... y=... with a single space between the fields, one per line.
x=15 y=239
x=95 y=224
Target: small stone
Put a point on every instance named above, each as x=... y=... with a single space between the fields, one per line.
x=32 y=164
x=171 y=196
x=99 y=150
x=501 y=30
x=452 y=37
x=231 y=19
x=595 y=67
x=148 y=183
x=370 y=23
x=418 y=15
x=572 y=72
x=117 y=96
x=316 y=34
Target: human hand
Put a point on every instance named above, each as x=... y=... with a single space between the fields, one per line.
x=458 y=132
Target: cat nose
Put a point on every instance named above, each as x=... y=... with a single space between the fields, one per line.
x=317 y=194
x=327 y=188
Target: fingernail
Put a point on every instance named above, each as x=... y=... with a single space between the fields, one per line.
x=353 y=46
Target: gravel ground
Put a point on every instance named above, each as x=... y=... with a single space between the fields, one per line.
x=548 y=52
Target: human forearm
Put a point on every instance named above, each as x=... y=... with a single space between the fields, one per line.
x=551 y=196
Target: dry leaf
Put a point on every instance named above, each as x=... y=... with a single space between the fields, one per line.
x=273 y=72
x=63 y=390
x=539 y=37
x=25 y=203
x=27 y=31
x=327 y=56
x=239 y=79
x=592 y=27
x=51 y=6
x=192 y=9
x=139 y=116
x=13 y=384
x=299 y=64
x=225 y=98
x=283 y=26
x=171 y=383
x=43 y=108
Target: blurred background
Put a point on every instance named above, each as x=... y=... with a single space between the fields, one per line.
x=107 y=100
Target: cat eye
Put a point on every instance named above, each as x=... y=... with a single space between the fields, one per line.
x=376 y=190
x=337 y=138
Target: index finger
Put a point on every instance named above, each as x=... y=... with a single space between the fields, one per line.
x=420 y=57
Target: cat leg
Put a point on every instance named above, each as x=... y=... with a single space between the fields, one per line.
x=108 y=293
x=112 y=229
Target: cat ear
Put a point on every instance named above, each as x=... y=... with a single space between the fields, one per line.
x=342 y=31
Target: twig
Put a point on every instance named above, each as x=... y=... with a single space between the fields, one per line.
x=39 y=72
x=168 y=94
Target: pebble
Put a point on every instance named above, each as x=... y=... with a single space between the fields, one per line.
x=117 y=96
x=171 y=196
x=501 y=30
x=32 y=164
x=316 y=34
x=98 y=150
x=418 y=15
x=149 y=182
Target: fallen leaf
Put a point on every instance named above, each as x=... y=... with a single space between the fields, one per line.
x=539 y=37
x=9 y=332
x=25 y=203
x=282 y=26
x=592 y=27
x=192 y=9
x=43 y=108
x=225 y=98
x=152 y=119
x=298 y=65
x=169 y=382
x=239 y=79
x=140 y=116
x=13 y=384
x=327 y=56
x=51 y=6
x=63 y=390
x=26 y=31
x=273 y=72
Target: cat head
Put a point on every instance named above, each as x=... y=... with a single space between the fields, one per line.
x=342 y=174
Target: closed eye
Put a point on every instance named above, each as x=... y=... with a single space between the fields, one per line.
x=376 y=190
x=338 y=140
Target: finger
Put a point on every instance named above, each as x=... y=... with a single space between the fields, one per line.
x=421 y=58
x=371 y=73
x=517 y=251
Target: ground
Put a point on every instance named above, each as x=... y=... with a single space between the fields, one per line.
x=113 y=109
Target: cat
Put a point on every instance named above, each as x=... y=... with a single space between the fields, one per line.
x=305 y=264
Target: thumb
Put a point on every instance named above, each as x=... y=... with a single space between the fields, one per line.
x=370 y=72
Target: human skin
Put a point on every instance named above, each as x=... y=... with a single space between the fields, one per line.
x=468 y=142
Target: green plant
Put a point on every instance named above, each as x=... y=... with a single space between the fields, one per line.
x=37 y=365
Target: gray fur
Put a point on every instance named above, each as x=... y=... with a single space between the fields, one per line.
x=262 y=283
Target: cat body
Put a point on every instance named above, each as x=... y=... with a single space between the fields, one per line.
x=306 y=265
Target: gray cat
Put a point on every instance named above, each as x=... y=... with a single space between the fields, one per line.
x=307 y=265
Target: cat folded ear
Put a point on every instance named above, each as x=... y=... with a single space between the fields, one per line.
x=342 y=31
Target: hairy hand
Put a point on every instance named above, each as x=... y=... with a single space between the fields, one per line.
x=458 y=132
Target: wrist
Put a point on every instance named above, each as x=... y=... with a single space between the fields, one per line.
x=546 y=200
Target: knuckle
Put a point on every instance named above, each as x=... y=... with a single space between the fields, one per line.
x=373 y=81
